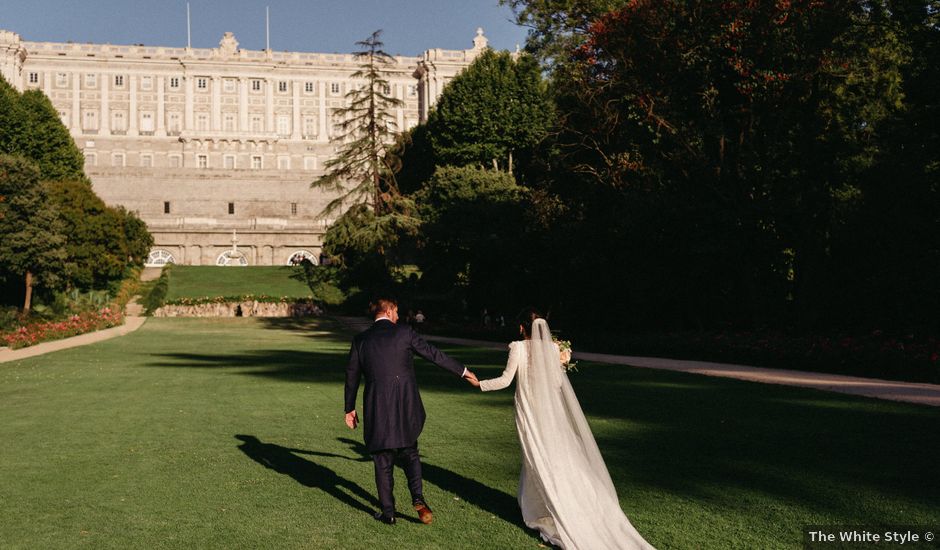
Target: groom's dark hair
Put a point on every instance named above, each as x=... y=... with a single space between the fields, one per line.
x=381 y=304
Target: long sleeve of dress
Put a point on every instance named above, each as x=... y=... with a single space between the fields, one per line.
x=512 y=365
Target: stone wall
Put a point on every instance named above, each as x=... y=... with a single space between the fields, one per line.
x=241 y=309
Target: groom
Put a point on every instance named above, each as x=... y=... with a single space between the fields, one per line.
x=392 y=408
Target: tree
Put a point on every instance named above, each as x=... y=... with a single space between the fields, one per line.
x=474 y=234
x=557 y=27
x=30 y=126
x=47 y=141
x=32 y=247
x=493 y=111
x=363 y=171
x=363 y=174
x=137 y=240
x=11 y=118
x=889 y=253
x=722 y=144
x=103 y=241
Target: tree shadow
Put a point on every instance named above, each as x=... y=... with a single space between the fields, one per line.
x=298 y=366
x=494 y=501
x=284 y=460
x=312 y=327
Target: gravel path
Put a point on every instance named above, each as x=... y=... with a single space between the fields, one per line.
x=908 y=392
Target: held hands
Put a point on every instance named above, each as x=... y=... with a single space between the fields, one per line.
x=352 y=420
x=472 y=379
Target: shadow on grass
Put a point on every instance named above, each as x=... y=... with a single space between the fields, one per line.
x=308 y=473
x=284 y=460
x=298 y=366
x=713 y=440
x=313 y=327
x=494 y=501
x=718 y=440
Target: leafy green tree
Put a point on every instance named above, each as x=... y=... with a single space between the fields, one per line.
x=417 y=159
x=137 y=239
x=97 y=245
x=30 y=126
x=721 y=144
x=11 y=118
x=47 y=141
x=474 y=234
x=557 y=27
x=32 y=239
x=102 y=241
x=324 y=282
x=889 y=253
x=493 y=111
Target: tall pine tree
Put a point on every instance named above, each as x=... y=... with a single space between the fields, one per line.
x=363 y=171
x=362 y=174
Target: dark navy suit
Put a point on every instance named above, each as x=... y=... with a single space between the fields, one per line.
x=392 y=412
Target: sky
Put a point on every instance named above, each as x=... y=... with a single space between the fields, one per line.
x=409 y=26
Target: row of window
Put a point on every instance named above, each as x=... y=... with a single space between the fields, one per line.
x=175 y=160
x=174 y=122
x=229 y=85
x=167 y=208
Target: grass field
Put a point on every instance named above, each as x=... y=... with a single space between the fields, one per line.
x=200 y=281
x=228 y=433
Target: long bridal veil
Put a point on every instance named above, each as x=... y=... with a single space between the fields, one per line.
x=575 y=503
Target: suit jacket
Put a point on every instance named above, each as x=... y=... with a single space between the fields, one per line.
x=392 y=412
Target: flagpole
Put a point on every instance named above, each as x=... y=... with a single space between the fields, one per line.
x=189 y=37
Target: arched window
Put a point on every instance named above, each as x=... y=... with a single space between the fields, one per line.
x=227 y=258
x=297 y=257
x=159 y=258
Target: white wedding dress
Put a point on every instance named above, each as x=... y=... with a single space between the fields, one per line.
x=565 y=490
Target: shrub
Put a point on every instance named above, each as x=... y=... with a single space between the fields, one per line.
x=157 y=295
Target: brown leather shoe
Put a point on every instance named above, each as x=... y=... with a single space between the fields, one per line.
x=424 y=513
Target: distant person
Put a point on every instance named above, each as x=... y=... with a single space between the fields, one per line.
x=419 y=318
x=392 y=410
x=565 y=490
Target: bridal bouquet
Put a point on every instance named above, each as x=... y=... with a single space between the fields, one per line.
x=565 y=347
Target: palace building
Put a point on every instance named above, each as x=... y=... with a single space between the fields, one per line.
x=211 y=146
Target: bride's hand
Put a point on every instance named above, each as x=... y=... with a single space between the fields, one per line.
x=472 y=378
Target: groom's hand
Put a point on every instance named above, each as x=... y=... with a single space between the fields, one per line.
x=472 y=378
x=352 y=420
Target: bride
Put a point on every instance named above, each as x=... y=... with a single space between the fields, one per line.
x=565 y=490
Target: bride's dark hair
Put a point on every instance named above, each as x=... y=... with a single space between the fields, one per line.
x=526 y=317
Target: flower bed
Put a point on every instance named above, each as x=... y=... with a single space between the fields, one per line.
x=89 y=321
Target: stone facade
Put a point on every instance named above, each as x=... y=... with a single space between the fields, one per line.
x=202 y=143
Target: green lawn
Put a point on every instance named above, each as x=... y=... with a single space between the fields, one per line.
x=188 y=281
x=228 y=433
